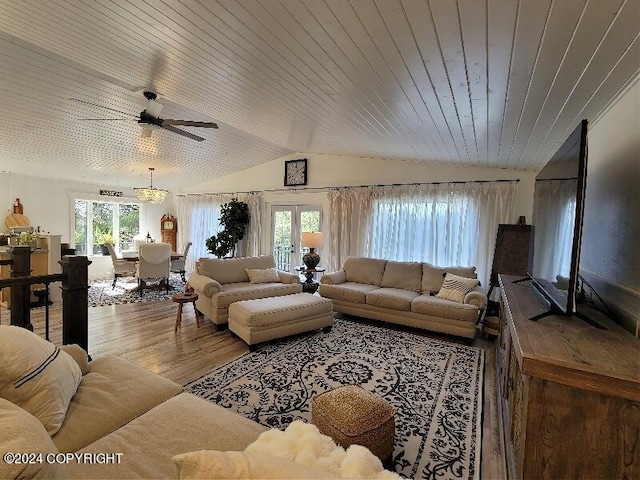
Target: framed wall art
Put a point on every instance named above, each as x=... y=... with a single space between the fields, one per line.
x=295 y=172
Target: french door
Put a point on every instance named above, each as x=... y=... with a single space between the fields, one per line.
x=287 y=224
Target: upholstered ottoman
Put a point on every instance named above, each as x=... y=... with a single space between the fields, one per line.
x=351 y=415
x=263 y=319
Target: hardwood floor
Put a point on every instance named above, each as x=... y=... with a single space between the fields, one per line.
x=143 y=334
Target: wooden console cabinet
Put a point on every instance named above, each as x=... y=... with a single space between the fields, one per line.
x=569 y=393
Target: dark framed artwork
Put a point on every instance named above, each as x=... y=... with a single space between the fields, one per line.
x=295 y=172
x=513 y=254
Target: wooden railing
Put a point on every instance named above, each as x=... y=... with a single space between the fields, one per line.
x=75 y=286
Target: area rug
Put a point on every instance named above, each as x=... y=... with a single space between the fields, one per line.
x=101 y=293
x=435 y=386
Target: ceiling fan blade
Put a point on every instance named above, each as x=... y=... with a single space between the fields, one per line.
x=104 y=119
x=183 y=133
x=188 y=123
x=102 y=106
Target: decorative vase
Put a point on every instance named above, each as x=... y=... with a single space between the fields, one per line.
x=311 y=259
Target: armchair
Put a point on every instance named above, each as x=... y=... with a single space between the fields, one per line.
x=121 y=267
x=153 y=264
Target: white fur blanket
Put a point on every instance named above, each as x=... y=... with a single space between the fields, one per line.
x=303 y=443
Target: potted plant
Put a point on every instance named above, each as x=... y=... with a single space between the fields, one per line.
x=27 y=239
x=102 y=238
x=234 y=218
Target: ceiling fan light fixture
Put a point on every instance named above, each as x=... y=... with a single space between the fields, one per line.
x=154 y=108
x=150 y=194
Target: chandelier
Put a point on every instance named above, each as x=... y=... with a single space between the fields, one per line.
x=150 y=194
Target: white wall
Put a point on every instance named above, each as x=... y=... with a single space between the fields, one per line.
x=47 y=205
x=610 y=257
x=333 y=170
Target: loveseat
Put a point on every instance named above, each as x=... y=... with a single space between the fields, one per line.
x=405 y=293
x=118 y=408
x=220 y=282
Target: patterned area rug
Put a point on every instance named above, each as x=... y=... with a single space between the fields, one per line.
x=101 y=293
x=435 y=386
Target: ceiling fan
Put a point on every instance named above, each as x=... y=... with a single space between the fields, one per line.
x=150 y=119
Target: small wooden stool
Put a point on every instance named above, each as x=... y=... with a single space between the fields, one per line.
x=181 y=299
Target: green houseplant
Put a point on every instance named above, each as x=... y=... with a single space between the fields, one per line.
x=102 y=238
x=234 y=218
x=27 y=238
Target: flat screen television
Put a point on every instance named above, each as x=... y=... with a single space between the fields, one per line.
x=557 y=217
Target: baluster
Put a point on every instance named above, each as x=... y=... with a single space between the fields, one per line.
x=46 y=311
x=21 y=294
x=75 y=301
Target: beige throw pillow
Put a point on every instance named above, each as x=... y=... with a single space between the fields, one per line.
x=262 y=275
x=37 y=376
x=21 y=432
x=433 y=277
x=455 y=288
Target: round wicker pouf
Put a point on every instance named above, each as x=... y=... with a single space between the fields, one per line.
x=351 y=415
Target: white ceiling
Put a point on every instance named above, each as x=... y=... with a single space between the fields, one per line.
x=494 y=83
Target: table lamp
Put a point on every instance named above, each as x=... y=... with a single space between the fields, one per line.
x=311 y=240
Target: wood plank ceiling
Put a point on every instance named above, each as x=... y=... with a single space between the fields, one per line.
x=495 y=83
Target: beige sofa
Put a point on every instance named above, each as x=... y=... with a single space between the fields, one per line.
x=220 y=282
x=125 y=409
x=403 y=293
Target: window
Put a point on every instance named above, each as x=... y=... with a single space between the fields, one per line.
x=441 y=231
x=95 y=219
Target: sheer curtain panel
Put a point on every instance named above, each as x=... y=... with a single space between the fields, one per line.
x=349 y=220
x=253 y=237
x=197 y=220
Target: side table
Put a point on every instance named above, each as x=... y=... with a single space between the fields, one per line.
x=310 y=285
x=181 y=299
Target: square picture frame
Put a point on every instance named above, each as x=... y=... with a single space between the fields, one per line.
x=295 y=172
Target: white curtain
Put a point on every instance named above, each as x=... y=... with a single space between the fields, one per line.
x=349 y=220
x=554 y=212
x=443 y=224
x=198 y=220
x=253 y=237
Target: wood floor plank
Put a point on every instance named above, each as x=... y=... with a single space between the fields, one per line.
x=143 y=333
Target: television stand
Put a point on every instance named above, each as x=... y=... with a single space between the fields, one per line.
x=568 y=393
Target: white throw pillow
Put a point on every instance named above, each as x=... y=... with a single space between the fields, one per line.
x=37 y=376
x=454 y=288
x=262 y=275
x=212 y=464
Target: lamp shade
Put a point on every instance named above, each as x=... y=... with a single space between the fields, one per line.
x=312 y=239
